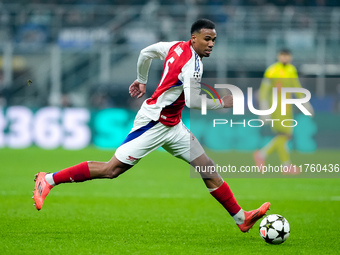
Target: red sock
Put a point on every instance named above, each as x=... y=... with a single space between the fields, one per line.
x=77 y=173
x=224 y=195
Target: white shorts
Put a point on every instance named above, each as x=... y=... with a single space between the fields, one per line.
x=148 y=135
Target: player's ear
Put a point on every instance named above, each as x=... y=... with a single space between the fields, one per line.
x=193 y=38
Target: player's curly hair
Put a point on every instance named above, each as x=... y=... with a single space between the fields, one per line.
x=202 y=23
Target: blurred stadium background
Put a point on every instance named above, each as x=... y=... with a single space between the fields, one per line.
x=81 y=57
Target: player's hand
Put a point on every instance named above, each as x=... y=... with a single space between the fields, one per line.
x=228 y=101
x=137 y=89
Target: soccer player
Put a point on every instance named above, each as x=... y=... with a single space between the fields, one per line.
x=278 y=75
x=158 y=123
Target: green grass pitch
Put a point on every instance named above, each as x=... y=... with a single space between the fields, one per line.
x=156 y=208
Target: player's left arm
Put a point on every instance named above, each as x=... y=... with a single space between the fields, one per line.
x=193 y=99
x=192 y=93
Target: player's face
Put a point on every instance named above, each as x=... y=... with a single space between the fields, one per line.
x=204 y=41
x=284 y=58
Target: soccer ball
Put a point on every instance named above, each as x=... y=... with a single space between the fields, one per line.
x=274 y=229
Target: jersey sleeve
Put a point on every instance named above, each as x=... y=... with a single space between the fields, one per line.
x=269 y=73
x=157 y=50
x=265 y=88
x=294 y=73
x=192 y=91
x=295 y=81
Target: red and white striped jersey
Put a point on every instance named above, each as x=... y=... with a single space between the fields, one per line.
x=182 y=72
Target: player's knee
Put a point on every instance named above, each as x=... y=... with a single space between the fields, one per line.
x=114 y=173
x=202 y=160
x=109 y=171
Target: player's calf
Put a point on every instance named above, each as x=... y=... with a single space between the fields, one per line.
x=111 y=169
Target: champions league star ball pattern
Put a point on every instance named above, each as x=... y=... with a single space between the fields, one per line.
x=274 y=229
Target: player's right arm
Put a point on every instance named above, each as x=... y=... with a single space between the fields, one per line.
x=137 y=89
x=158 y=50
